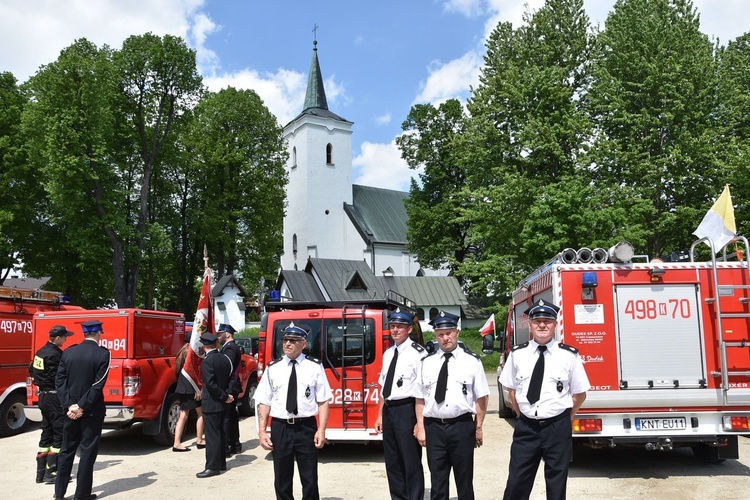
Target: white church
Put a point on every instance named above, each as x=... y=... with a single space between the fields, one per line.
x=332 y=225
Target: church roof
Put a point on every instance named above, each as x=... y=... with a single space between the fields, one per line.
x=230 y=280
x=378 y=214
x=340 y=280
x=316 y=103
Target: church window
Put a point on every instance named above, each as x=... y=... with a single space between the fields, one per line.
x=420 y=313
x=294 y=157
x=433 y=313
x=329 y=153
x=294 y=244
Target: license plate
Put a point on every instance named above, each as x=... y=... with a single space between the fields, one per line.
x=661 y=424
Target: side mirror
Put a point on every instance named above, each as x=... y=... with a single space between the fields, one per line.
x=488 y=344
x=430 y=347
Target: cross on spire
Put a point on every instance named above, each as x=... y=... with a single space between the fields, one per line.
x=315 y=32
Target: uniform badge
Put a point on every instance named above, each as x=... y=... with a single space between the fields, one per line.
x=400 y=382
x=463 y=389
x=559 y=386
x=307 y=392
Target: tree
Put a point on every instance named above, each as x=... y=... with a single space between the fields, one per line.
x=239 y=157
x=653 y=102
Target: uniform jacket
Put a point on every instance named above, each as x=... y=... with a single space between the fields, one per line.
x=44 y=366
x=216 y=370
x=232 y=351
x=81 y=377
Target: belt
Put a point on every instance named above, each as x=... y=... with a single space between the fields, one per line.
x=461 y=418
x=295 y=420
x=47 y=392
x=399 y=402
x=544 y=422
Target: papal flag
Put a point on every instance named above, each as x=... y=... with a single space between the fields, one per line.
x=204 y=322
x=718 y=224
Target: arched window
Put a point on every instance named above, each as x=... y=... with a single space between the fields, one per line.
x=433 y=313
x=294 y=244
x=420 y=314
x=294 y=157
x=329 y=153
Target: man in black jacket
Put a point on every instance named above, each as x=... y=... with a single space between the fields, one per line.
x=216 y=370
x=43 y=370
x=80 y=381
x=232 y=420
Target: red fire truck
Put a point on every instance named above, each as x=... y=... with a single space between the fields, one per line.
x=666 y=346
x=349 y=338
x=17 y=307
x=142 y=377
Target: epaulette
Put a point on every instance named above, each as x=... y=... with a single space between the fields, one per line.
x=519 y=346
x=314 y=360
x=418 y=347
x=568 y=347
x=470 y=352
x=274 y=362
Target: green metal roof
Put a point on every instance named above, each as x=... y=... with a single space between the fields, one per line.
x=316 y=103
x=378 y=214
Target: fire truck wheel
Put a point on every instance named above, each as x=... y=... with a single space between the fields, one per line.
x=706 y=453
x=247 y=408
x=12 y=417
x=169 y=417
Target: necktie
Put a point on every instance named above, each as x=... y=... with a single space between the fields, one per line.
x=291 y=392
x=535 y=386
x=442 y=381
x=389 y=376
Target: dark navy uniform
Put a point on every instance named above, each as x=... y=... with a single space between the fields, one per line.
x=450 y=428
x=544 y=428
x=216 y=370
x=80 y=381
x=43 y=371
x=293 y=432
x=401 y=451
x=232 y=421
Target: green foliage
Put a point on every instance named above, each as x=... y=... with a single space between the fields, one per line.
x=472 y=339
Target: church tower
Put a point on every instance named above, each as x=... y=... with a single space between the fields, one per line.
x=320 y=178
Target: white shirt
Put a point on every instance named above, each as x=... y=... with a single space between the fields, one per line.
x=312 y=387
x=410 y=355
x=563 y=370
x=467 y=382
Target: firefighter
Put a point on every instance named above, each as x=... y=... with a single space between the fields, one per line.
x=451 y=409
x=292 y=391
x=231 y=421
x=43 y=371
x=397 y=419
x=547 y=385
x=80 y=382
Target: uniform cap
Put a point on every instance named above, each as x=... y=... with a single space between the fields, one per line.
x=226 y=328
x=92 y=326
x=542 y=309
x=59 y=331
x=444 y=320
x=208 y=338
x=401 y=316
x=295 y=331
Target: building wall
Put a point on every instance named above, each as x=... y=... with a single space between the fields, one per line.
x=233 y=313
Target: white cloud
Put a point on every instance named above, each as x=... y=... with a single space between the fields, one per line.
x=468 y=8
x=206 y=59
x=383 y=119
x=381 y=165
x=38 y=30
x=450 y=80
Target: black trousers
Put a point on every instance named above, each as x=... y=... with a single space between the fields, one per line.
x=531 y=443
x=53 y=420
x=295 y=442
x=232 y=425
x=85 y=432
x=402 y=453
x=451 y=446
x=216 y=440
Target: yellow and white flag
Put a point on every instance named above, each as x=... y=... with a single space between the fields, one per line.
x=718 y=224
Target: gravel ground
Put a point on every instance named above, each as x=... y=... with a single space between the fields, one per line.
x=132 y=465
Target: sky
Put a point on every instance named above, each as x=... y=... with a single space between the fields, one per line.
x=378 y=57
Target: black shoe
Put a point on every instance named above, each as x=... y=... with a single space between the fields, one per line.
x=200 y=446
x=208 y=473
x=223 y=468
x=229 y=452
x=179 y=450
x=238 y=447
x=90 y=497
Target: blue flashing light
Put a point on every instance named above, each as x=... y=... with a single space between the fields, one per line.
x=275 y=295
x=589 y=280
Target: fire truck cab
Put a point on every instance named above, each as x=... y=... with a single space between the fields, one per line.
x=349 y=338
x=666 y=346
